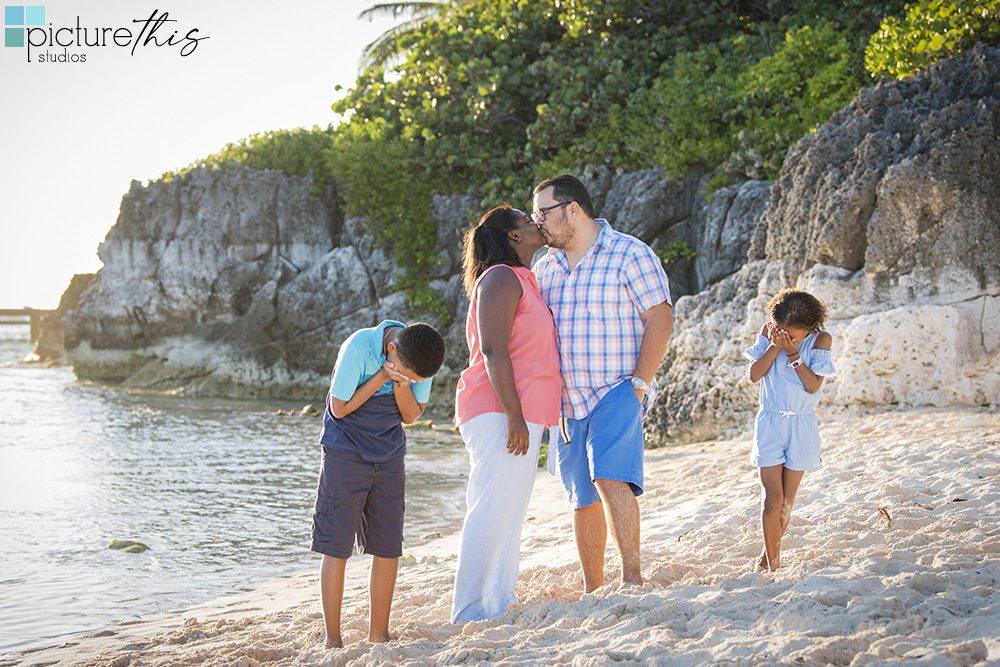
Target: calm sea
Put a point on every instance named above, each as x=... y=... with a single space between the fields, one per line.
x=221 y=491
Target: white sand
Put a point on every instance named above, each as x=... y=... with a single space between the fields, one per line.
x=854 y=588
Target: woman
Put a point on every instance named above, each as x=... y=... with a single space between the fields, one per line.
x=506 y=397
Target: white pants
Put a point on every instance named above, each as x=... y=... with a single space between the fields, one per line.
x=499 y=488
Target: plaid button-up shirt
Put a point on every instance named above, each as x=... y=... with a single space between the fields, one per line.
x=598 y=310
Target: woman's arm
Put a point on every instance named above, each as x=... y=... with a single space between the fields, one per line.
x=499 y=293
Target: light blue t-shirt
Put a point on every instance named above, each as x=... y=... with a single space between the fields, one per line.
x=360 y=357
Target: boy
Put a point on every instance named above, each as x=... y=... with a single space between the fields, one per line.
x=382 y=380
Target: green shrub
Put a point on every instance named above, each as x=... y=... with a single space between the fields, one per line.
x=490 y=96
x=376 y=177
x=723 y=108
x=298 y=152
x=931 y=31
x=783 y=97
x=675 y=250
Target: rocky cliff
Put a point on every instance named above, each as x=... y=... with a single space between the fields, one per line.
x=236 y=283
x=890 y=213
x=241 y=283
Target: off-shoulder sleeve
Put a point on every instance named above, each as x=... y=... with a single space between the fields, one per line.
x=757 y=351
x=821 y=364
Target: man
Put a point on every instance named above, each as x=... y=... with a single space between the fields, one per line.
x=611 y=302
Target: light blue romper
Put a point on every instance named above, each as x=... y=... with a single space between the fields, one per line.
x=786 y=431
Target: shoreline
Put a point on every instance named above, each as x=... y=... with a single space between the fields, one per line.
x=893 y=554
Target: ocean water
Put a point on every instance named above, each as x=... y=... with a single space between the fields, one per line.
x=221 y=491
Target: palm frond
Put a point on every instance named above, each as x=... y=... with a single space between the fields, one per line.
x=385 y=49
x=397 y=9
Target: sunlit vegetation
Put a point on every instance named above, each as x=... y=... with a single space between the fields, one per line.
x=930 y=31
x=487 y=97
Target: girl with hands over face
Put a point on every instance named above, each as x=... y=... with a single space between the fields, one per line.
x=790 y=360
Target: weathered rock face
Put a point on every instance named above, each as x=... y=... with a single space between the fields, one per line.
x=240 y=283
x=649 y=206
x=234 y=283
x=890 y=213
x=49 y=346
x=907 y=151
x=726 y=223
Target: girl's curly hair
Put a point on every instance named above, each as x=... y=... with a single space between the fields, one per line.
x=795 y=308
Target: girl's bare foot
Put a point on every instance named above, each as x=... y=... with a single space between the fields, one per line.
x=764 y=565
x=382 y=638
x=334 y=642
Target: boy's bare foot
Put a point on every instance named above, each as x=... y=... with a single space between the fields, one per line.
x=334 y=642
x=626 y=584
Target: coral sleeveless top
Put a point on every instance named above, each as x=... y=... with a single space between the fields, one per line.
x=533 y=353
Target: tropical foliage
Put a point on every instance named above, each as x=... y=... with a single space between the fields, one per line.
x=489 y=96
x=386 y=48
x=299 y=152
x=930 y=31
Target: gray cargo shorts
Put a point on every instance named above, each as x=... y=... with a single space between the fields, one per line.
x=359 y=500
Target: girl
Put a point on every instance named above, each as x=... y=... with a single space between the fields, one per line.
x=792 y=356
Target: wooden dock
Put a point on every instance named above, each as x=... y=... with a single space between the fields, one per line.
x=29 y=316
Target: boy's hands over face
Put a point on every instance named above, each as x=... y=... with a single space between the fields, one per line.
x=395 y=375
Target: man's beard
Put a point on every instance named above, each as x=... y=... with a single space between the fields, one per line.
x=554 y=241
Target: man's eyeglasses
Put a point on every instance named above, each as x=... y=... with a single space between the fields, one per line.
x=538 y=215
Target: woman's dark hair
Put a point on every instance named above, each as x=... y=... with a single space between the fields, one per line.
x=567 y=188
x=421 y=349
x=795 y=308
x=487 y=244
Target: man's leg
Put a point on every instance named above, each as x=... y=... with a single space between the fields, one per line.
x=591 y=533
x=331 y=593
x=381 y=585
x=622 y=510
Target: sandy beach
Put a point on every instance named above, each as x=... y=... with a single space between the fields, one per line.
x=892 y=556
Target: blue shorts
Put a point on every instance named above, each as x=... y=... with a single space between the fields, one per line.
x=361 y=500
x=606 y=444
x=787 y=439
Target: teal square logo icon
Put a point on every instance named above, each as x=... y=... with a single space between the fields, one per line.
x=13 y=15
x=34 y=15
x=20 y=15
x=13 y=37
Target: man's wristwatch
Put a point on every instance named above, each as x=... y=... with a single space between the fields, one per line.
x=639 y=383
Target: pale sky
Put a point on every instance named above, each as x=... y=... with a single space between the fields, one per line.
x=75 y=134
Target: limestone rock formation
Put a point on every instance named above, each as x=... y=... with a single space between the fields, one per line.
x=242 y=283
x=239 y=283
x=49 y=346
x=658 y=210
x=890 y=213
